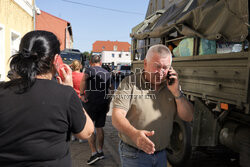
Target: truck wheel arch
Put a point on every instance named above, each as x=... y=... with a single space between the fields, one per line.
x=180 y=143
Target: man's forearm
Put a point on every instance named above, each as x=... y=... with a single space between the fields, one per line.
x=83 y=85
x=121 y=123
x=185 y=109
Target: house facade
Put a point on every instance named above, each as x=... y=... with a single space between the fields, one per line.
x=16 y=19
x=112 y=52
x=61 y=28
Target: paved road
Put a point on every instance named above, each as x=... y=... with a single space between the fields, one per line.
x=80 y=152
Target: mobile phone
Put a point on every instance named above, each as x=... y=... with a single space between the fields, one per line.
x=169 y=80
x=59 y=65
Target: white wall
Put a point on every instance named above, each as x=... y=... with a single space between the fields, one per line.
x=15 y=38
x=96 y=53
x=108 y=58
x=26 y=5
x=2 y=52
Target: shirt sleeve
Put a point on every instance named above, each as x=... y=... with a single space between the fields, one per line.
x=77 y=116
x=87 y=71
x=123 y=95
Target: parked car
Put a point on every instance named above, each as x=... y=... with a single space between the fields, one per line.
x=107 y=67
x=122 y=71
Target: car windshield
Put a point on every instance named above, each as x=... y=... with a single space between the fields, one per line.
x=125 y=68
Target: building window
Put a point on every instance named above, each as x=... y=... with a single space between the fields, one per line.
x=163 y=4
x=115 y=48
x=113 y=55
x=103 y=47
x=126 y=54
x=15 y=41
x=2 y=54
x=120 y=55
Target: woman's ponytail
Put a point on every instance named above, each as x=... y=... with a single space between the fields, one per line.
x=36 y=53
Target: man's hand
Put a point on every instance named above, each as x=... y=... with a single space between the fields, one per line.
x=139 y=137
x=174 y=88
x=143 y=142
x=67 y=76
x=84 y=99
x=185 y=109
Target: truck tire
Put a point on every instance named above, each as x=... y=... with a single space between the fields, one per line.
x=180 y=144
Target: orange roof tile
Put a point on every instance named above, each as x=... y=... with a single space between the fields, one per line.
x=99 y=46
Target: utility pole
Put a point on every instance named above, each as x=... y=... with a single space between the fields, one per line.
x=34 y=14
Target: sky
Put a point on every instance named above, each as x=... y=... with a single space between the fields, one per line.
x=93 y=20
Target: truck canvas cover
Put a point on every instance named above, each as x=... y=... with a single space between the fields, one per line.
x=211 y=19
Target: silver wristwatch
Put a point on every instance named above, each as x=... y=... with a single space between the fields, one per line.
x=180 y=96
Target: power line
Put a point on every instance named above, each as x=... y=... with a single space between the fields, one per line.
x=98 y=7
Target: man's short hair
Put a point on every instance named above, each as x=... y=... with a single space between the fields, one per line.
x=160 y=49
x=95 y=59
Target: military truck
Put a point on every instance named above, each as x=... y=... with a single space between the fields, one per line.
x=216 y=83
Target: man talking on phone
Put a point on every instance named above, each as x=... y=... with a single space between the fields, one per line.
x=144 y=107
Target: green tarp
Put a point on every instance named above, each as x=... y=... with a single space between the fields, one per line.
x=210 y=19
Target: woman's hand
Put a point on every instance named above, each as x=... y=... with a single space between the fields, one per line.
x=67 y=76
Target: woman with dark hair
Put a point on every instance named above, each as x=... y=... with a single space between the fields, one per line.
x=37 y=114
